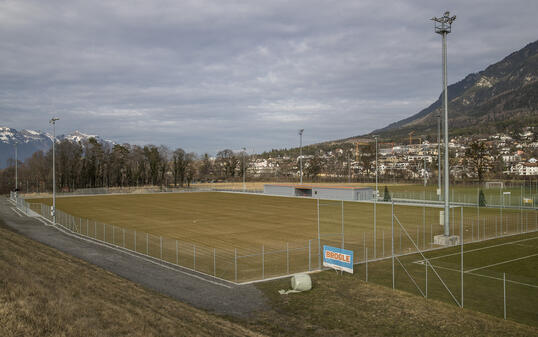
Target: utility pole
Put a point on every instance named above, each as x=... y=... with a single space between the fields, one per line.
x=244 y=172
x=443 y=26
x=301 y=153
x=53 y=211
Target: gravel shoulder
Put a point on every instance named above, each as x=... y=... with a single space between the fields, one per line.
x=202 y=292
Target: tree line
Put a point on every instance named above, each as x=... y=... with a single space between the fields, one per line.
x=92 y=164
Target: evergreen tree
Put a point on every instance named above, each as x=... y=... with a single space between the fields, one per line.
x=481 y=199
x=386 y=194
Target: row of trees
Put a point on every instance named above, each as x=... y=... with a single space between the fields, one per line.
x=93 y=164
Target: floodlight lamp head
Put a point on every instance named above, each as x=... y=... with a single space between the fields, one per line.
x=301 y=132
x=53 y=120
x=443 y=24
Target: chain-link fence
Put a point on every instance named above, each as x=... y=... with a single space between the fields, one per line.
x=520 y=196
x=393 y=245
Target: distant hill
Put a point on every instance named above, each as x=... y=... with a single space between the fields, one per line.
x=503 y=97
x=30 y=141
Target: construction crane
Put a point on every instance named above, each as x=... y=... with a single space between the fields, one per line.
x=357 y=149
x=411 y=137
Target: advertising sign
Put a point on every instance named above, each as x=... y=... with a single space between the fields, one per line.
x=338 y=258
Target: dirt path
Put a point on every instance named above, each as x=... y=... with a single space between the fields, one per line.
x=195 y=289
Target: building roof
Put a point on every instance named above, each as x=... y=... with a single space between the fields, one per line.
x=320 y=186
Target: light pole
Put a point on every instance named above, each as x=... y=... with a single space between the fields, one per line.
x=16 y=172
x=375 y=199
x=443 y=26
x=301 y=153
x=439 y=193
x=244 y=172
x=376 y=190
x=53 y=211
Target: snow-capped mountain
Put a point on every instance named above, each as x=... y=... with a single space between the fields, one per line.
x=79 y=137
x=30 y=141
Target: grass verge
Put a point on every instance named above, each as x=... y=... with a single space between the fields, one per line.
x=44 y=292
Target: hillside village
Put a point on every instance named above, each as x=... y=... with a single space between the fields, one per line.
x=503 y=156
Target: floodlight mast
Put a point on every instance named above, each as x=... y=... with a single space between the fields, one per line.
x=440 y=196
x=53 y=122
x=301 y=153
x=16 y=172
x=443 y=26
x=244 y=172
x=376 y=190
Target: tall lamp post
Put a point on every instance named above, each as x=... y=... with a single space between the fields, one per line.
x=443 y=26
x=439 y=195
x=16 y=172
x=53 y=211
x=244 y=172
x=376 y=190
x=301 y=153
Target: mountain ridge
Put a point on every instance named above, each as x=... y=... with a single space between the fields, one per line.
x=492 y=96
x=30 y=141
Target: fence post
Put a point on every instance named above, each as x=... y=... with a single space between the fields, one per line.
x=177 y=253
x=383 y=243
x=364 y=243
x=424 y=225
x=113 y=238
x=504 y=294
x=263 y=262
x=135 y=241
x=375 y=225
x=147 y=244
x=214 y=262
x=418 y=236
x=161 y=246
x=309 y=256
x=123 y=237
x=87 y=228
x=461 y=258
x=95 y=229
x=287 y=259
x=400 y=231
x=342 y=224
x=366 y=264
x=319 y=239
x=235 y=263
x=426 y=290
x=104 y=232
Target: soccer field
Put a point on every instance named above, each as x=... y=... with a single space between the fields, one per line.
x=499 y=276
x=251 y=236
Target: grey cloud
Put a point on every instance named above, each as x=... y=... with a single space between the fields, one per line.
x=205 y=75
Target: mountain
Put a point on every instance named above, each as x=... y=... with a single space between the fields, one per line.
x=503 y=97
x=30 y=141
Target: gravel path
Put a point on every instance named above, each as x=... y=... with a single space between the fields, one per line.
x=187 y=286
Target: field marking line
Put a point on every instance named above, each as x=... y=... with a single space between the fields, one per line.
x=499 y=263
x=16 y=211
x=483 y=248
x=59 y=228
x=487 y=276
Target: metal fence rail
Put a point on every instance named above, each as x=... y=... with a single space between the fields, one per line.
x=506 y=295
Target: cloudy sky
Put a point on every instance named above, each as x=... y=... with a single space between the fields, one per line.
x=207 y=75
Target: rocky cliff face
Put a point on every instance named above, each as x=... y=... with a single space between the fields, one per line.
x=503 y=97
